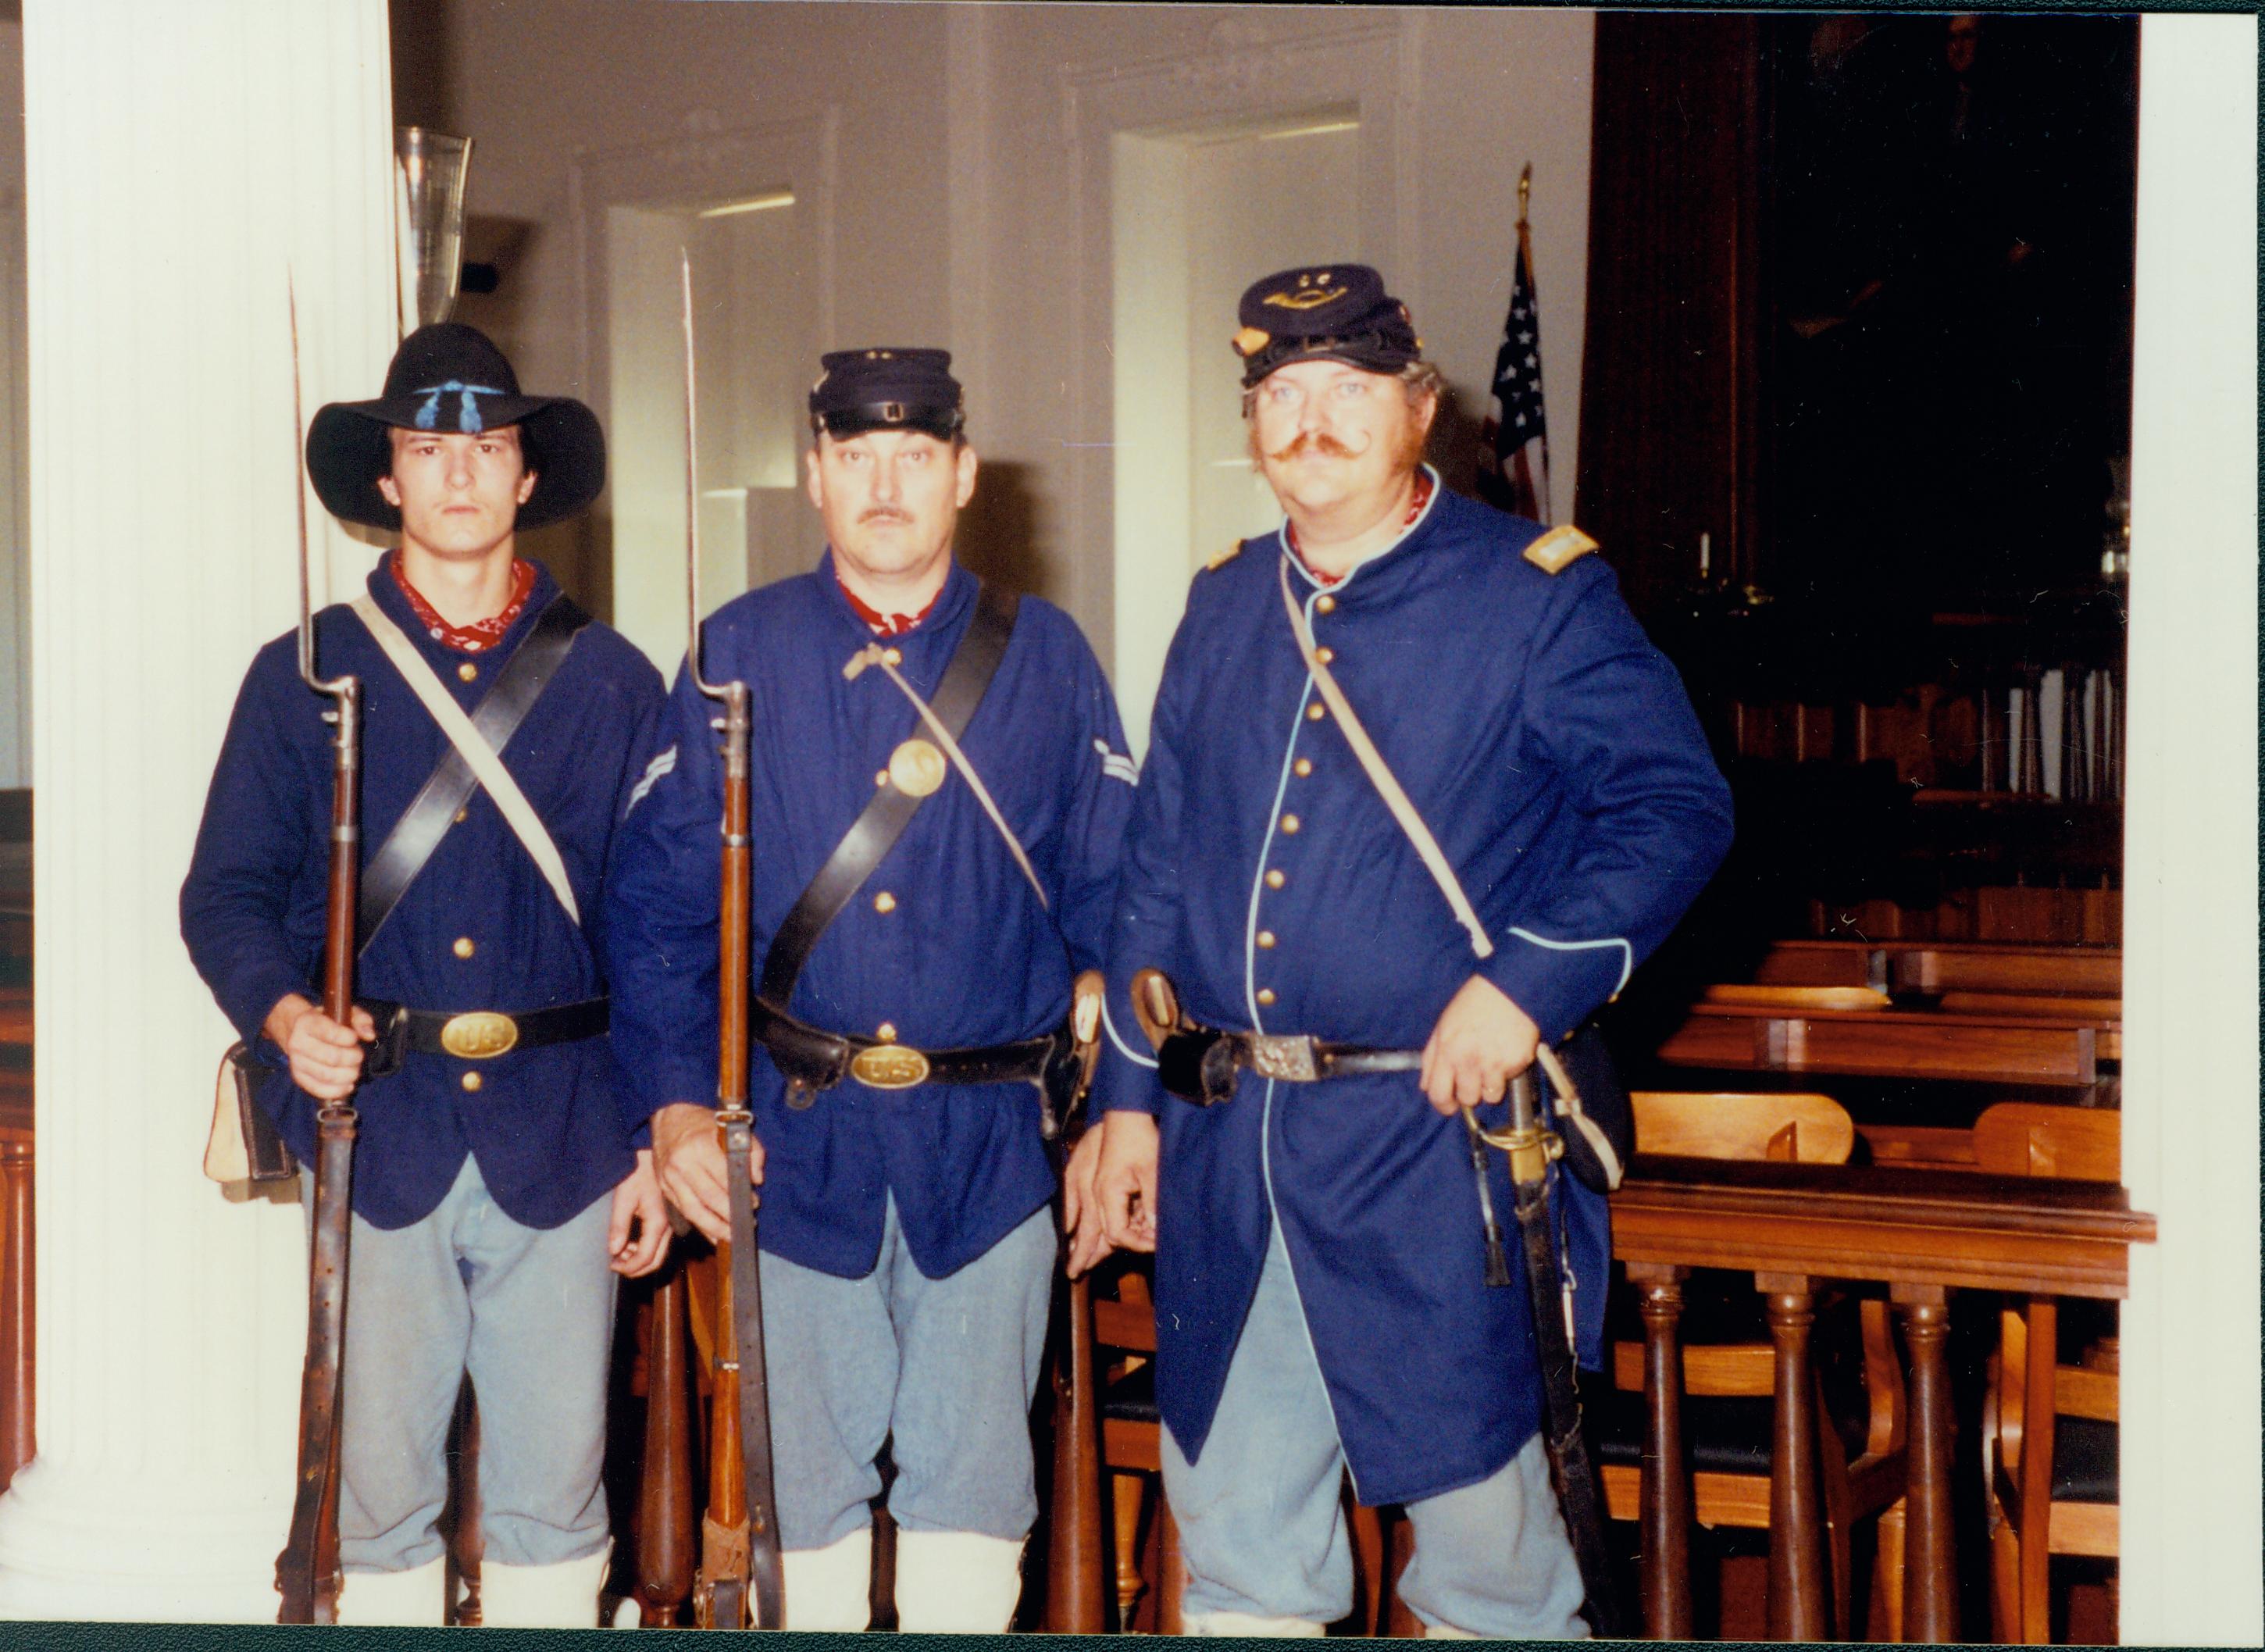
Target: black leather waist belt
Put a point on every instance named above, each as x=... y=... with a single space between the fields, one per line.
x=1197 y=1063
x=813 y=1059
x=474 y=1034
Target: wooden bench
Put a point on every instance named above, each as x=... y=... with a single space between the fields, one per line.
x=1930 y=968
x=2059 y=1051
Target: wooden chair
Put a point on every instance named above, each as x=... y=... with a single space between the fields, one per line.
x=1730 y=1385
x=2049 y=1434
x=1105 y=1380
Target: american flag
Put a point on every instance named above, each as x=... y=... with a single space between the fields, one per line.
x=1514 y=455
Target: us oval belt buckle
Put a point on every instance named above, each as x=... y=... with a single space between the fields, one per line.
x=478 y=1034
x=889 y=1066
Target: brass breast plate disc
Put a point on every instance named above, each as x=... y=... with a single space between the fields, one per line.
x=916 y=768
x=478 y=1034
x=889 y=1066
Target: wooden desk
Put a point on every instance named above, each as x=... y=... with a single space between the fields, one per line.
x=1977 y=1046
x=1930 y=967
x=1794 y=1226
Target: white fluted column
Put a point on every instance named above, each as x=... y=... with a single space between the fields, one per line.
x=180 y=158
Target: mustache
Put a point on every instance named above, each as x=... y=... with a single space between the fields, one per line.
x=1313 y=441
x=886 y=513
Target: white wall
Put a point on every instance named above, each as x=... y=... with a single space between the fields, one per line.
x=961 y=205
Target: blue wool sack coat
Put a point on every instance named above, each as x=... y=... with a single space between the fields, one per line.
x=961 y=953
x=1552 y=752
x=542 y=1123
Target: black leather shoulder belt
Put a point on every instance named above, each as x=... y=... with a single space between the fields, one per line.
x=814 y=1060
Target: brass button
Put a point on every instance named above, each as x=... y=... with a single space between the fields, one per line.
x=1325 y=603
x=1315 y=712
x=1290 y=823
x=463 y=946
x=1274 y=880
x=467 y=670
x=463 y=814
x=1266 y=938
x=1325 y=655
x=880 y=777
x=886 y=1032
x=885 y=902
x=1302 y=767
x=1265 y=995
x=471 y=1081
x=893 y=657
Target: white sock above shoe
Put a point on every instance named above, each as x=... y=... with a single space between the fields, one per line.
x=831 y=1588
x=957 y=1582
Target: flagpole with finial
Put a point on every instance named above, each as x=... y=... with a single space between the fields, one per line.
x=1524 y=195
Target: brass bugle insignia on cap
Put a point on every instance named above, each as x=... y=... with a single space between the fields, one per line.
x=1559 y=549
x=1250 y=341
x=916 y=768
x=1306 y=298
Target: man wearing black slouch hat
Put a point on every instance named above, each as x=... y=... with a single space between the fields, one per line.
x=493 y=1182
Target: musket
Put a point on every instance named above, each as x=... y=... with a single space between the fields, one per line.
x=307 y=1571
x=739 y=1536
x=1530 y=1146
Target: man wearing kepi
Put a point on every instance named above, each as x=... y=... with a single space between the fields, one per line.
x=1518 y=808
x=939 y=793
x=493 y=1181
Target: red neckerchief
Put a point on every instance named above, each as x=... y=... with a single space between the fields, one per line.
x=480 y=634
x=886 y=624
x=1423 y=497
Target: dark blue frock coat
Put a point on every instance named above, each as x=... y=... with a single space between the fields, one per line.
x=1554 y=754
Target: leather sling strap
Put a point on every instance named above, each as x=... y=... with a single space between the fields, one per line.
x=422 y=826
x=1387 y=787
x=875 y=832
x=765 y=1575
x=472 y=747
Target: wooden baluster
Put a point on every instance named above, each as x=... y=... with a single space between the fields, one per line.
x=1400 y=1620
x=466 y=1545
x=1128 y=1494
x=1797 y=1604
x=1665 y=1501
x=881 y=1602
x=17 y=1362
x=665 y=1540
x=1077 y=1566
x=1930 y=1579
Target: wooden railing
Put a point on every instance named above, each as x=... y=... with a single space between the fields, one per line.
x=1796 y=1227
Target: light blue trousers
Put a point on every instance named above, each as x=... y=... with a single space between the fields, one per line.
x=944 y=1369
x=1262 y=1529
x=529 y=1312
